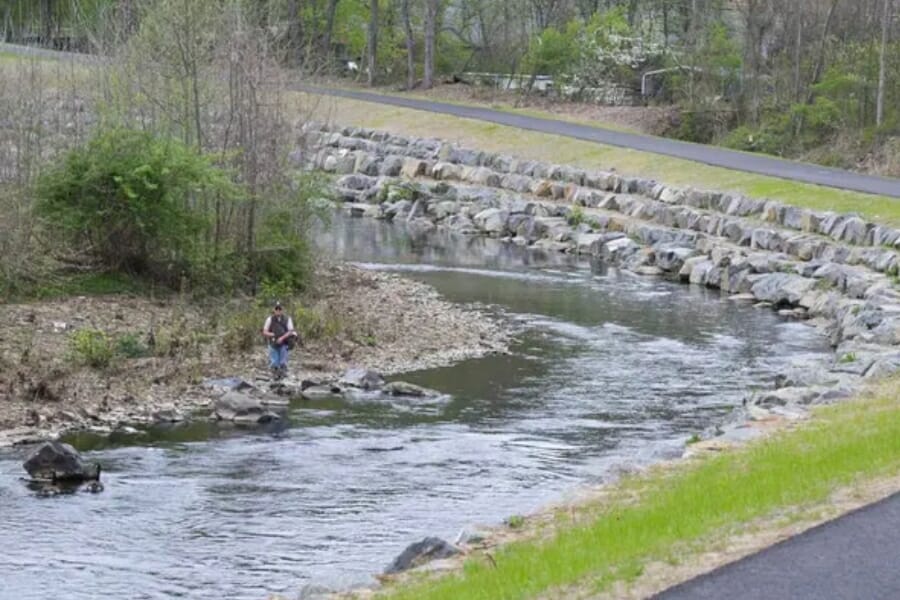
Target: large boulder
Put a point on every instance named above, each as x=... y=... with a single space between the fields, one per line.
x=245 y=409
x=55 y=461
x=492 y=220
x=419 y=553
x=782 y=288
x=365 y=379
x=671 y=258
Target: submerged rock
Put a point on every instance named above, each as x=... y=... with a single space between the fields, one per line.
x=55 y=461
x=419 y=553
x=366 y=379
x=321 y=392
x=402 y=388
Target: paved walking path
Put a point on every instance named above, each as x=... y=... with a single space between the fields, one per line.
x=710 y=155
x=854 y=557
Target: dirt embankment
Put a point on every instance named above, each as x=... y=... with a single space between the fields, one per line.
x=363 y=318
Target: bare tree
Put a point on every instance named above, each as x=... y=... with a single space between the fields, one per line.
x=885 y=28
x=410 y=47
x=373 y=41
x=432 y=7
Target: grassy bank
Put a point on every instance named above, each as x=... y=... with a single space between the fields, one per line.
x=562 y=150
x=656 y=516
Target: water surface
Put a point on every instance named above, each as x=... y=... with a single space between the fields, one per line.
x=608 y=370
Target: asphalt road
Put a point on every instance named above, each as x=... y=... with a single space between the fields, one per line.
x=855 y=557
x=710 y=155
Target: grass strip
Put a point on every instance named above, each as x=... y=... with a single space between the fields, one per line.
x=590 y=155
x=843 y=444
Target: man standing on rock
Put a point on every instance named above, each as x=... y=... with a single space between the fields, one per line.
x=279 y=331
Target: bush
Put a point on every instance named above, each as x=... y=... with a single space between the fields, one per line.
x=131 y=200
x=576 y=217
x=131 y=346
x=243 y=331
x=91 y=347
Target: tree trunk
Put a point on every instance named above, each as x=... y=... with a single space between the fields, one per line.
x=410 y=48
x=885 y=28
x=47 y=22
x=373 y=41
x=798 y=54
x=329 y=31
x=820 y=59
x=295 y=32
x=431 y=9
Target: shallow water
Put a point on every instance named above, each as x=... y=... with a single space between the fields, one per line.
x=608 y=371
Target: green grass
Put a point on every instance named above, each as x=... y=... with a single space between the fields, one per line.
x=687 y=505
x=558 y=149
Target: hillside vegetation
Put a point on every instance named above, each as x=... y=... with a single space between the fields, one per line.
x=814 y=79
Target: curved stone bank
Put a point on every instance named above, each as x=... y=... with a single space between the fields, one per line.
x=836 y=269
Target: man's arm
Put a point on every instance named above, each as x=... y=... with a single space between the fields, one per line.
x=290 y=331
x=267 y=328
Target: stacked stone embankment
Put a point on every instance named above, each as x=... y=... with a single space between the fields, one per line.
x=838 y=269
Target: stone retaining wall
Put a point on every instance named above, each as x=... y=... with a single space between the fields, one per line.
x=837 y=269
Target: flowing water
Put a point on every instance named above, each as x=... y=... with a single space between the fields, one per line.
x=608 y=371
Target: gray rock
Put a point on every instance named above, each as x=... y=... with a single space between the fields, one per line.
x=244 y=409
x=782 y=288
x=356 y=181
x=461 y=224
x=618 y=250
x=413 y=168
x=391 y=166
x=492 y=221
x=671 y=258
x=366 y=379
x=446 y=171
x=586 y=243
x=55 y=461
x=788 y=396
x=400 y=209
x=884 y=366
x=482 y=176
x=402 y=388
x=444 y=209
x=701 y=273
x=321 y=392
x=419 y=553
x=311 y=591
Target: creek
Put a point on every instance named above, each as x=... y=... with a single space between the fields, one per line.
x=608 y=371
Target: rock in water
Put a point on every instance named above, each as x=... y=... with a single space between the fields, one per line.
x=366 y=379
x=243 y=409
x=402 y=388
x=419 y=553
x=55 y=461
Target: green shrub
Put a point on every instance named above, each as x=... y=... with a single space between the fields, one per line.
x=131 y=200
x=848 y=358
x=130 y=345
x=91 y=347
x=576 y=217
x=515 y=522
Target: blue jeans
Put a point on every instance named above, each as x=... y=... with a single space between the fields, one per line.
x=278 y=355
